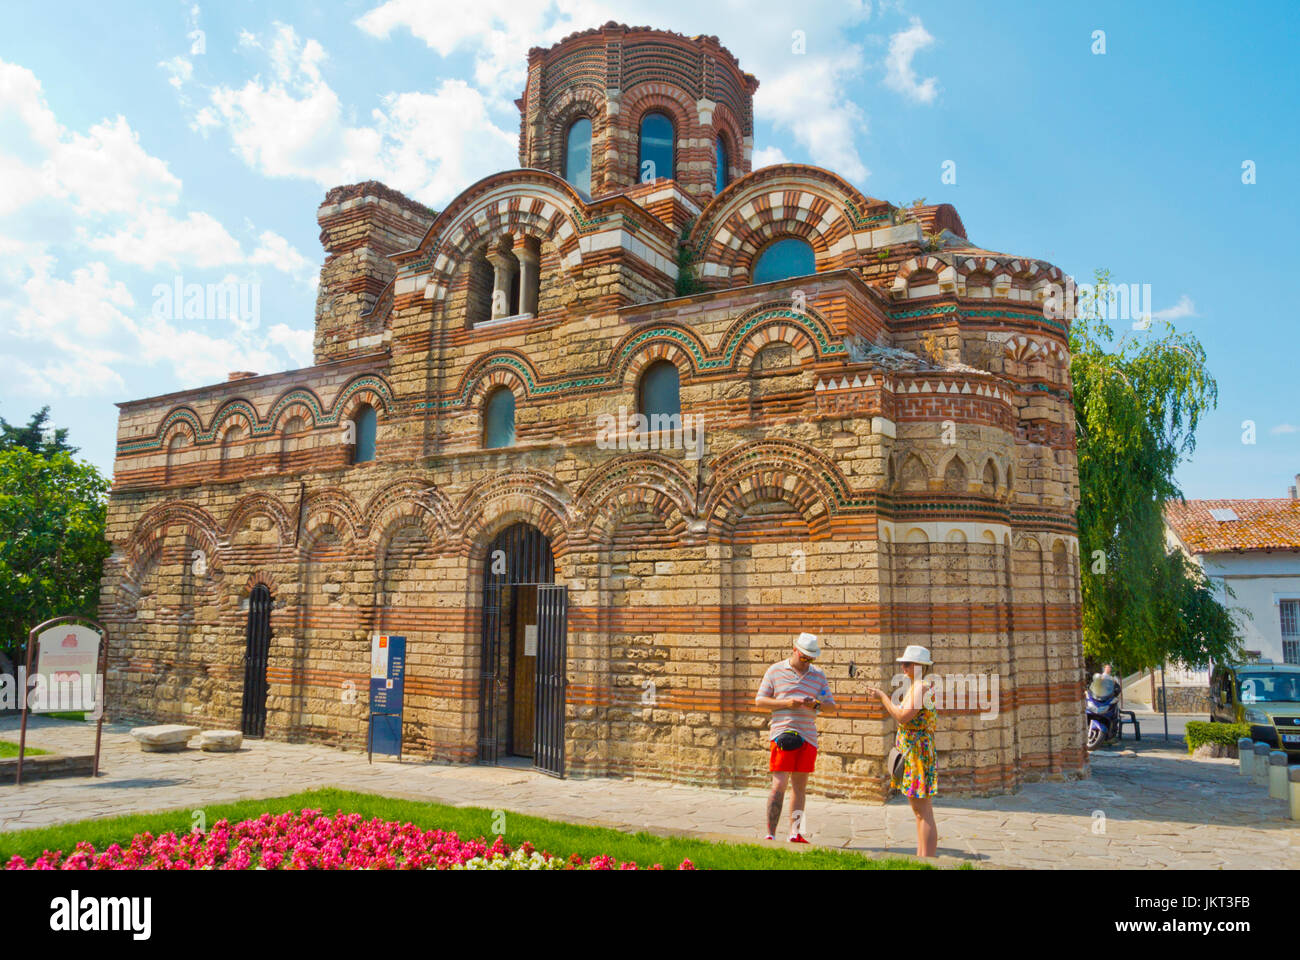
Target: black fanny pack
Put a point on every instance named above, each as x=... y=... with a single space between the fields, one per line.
x=789 y=740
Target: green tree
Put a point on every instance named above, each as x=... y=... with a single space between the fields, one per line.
x=1137 y=405
x=36 y=436
x=52 y=545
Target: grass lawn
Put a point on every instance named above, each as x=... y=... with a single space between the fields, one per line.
x=8 y=749
x=550 y=835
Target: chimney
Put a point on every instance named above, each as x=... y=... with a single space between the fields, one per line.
x=239 y=375
x=1296 y=487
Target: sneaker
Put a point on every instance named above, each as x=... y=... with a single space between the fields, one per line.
x=798 y=838
x=770 y=837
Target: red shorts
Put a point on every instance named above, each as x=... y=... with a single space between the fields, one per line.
x=792 y=761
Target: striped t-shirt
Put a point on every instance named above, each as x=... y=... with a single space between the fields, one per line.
x=783 y=681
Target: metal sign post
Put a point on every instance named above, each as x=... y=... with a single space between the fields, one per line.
x=1164 y=696
x=387 y=688
x=70 y=655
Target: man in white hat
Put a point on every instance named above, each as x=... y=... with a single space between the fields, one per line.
x=796 y=692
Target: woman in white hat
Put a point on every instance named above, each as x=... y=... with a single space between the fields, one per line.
x=916 y=718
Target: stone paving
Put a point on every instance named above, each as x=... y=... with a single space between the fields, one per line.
x=1154 y=807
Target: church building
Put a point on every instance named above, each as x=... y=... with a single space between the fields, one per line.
x=600 y=438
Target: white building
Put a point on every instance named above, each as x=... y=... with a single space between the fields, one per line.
x=1253 y=548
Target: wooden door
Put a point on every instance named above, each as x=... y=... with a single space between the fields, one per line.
x=523 y=672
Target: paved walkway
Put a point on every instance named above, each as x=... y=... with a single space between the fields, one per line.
x=1152 y=808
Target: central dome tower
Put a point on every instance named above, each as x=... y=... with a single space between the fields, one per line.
x=607 y=109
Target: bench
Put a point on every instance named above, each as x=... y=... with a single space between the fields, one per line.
x=1132 y=721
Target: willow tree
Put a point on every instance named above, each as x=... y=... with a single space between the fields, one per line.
x=1137 y=404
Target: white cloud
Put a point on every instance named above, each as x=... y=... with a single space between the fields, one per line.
x=298 y=343
x=900 y=75
x=156 y=237
x=498 y=32
x=78 y=336
x=435 y=145
x=769 y=156
x=427 y=145
x=75 y=322
x=1283 y=428
x=179 y=71
x=803 y=95
x=808 y=100
x=103 y=171
x=275 y=251
x=68 y=326
x=1183 y=308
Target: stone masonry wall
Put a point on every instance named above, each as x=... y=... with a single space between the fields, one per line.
x=888 y=459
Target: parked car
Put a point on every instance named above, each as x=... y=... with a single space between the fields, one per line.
x=1263 y=694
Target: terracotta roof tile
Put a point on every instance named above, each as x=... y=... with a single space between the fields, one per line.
x=1261 y=525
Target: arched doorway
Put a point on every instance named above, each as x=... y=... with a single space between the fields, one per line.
x=522 y=661
x=257 y=645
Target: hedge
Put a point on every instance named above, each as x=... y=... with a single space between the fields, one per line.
x=1199 y=733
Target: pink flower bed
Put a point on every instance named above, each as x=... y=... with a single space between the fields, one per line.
x=310 y=841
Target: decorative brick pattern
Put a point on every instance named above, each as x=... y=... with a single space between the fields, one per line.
x=889 y=459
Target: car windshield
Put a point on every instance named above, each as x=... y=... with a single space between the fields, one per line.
x=1268 y=687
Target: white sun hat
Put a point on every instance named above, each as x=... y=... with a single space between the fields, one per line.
x=915 y=653
x=806 y=643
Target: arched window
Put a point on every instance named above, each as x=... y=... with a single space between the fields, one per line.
x=367 y=425
x=656 y=154
x=577 y=156
x=232 y=448
x=289 y=443
x=723 y=174
x=499 y=419
x=787 y=257
x=175 y=450
x=660 y=393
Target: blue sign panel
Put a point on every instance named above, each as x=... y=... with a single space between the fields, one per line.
x=387 y=682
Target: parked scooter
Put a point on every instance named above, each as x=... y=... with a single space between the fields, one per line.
x=1103 y=712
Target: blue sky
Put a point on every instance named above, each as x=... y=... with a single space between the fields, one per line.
x=196 y=141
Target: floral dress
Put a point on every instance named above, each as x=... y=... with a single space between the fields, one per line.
x=915 y=740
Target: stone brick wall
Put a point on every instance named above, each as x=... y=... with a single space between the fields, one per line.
x=616 y=74
x=890 y=460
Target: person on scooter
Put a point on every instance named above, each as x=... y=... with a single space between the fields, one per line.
x=1103 y=708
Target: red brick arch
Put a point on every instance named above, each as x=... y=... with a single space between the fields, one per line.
x=532 y=203
x=260 y=504
x=565 y=108
x=655 y=97
x=412 y=497
x=518 y=496
x=772 y=470
x=334 y=507
x=646 y=480
x=773 y=202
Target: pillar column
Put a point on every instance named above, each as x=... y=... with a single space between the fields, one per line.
x=503 y=271
x=528 y=252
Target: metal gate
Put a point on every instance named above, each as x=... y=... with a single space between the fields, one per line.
x=548 y=718
x=488 y=747
x=257 y=645
x=521 y=556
